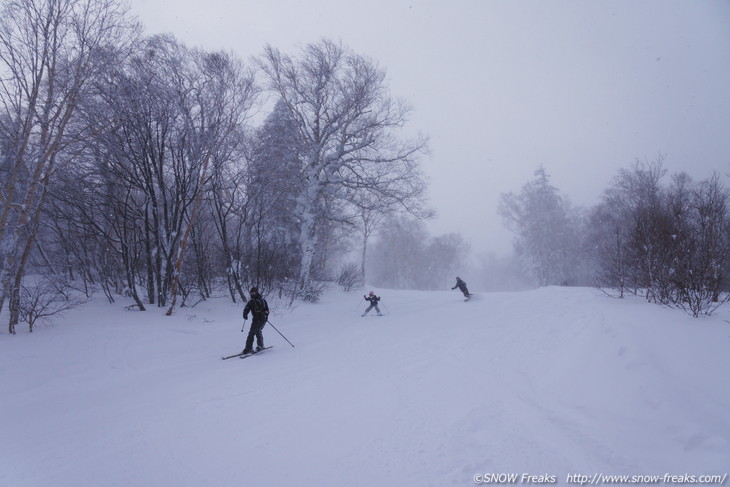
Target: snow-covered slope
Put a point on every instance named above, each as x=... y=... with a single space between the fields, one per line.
x=552 y=382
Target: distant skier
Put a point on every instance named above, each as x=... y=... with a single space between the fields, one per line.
x=462 y=287
x=259 y=309
x=373 y=300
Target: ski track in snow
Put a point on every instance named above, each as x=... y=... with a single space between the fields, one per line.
x=552 y=381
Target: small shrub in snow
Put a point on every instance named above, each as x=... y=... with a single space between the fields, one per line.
x=350 y=276
x=43 y=300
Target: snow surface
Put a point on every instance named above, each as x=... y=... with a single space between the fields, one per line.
x=554 y=381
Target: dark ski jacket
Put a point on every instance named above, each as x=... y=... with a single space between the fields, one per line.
x=258 y=307
x=461 y=285
x=373 y=299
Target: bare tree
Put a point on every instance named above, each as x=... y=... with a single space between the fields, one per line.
x=217 y=96
x=229 y=211
x=172 y=113
x=370 y=221
x=668 y=244
x=50 y=50
x=43 y=300
x=700 y=247
x=347 y=123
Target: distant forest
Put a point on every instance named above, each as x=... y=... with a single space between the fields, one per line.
x=159 y=174
x=664 y=238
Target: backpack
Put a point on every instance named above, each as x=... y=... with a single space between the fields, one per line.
x=259 y=307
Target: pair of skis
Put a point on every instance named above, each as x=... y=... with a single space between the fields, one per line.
x=246 y=355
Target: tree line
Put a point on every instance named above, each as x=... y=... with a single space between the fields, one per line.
x=134 y=164
x=666 y=239
x=146 y=169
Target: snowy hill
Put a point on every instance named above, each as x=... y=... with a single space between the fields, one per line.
x=553 y=382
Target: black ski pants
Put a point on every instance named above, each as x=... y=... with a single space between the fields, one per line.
x=255 y=331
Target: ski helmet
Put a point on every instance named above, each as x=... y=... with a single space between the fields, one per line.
x=372 y=293
x=254 y=290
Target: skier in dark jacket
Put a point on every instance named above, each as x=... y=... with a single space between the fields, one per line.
x=462 y=287
x=373 y=300
x=259 y=309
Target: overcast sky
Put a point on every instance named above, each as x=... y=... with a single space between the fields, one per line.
x=583 y=88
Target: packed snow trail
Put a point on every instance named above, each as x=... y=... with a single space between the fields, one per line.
x=554 y=381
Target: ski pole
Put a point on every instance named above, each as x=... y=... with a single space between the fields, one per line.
x=359 y=303
x=244 y=326
x=282 y=336
x=385 y=308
